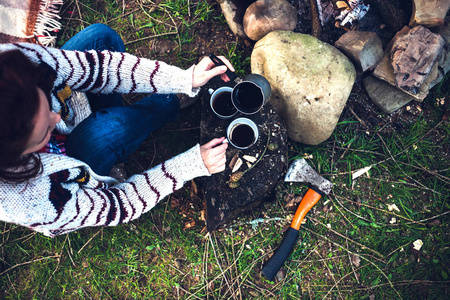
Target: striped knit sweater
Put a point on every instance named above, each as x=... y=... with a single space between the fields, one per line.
x=68 y=195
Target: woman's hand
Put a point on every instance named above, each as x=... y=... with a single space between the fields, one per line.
x=213 y=154
x=206 y=69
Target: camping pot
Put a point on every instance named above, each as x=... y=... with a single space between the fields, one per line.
x=250 y=94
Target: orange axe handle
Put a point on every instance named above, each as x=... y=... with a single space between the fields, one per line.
x=274 y=264
x=309 y=200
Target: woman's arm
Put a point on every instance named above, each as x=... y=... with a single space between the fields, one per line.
x=69 y=199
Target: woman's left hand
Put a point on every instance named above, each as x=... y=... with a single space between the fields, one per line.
x=206 y=69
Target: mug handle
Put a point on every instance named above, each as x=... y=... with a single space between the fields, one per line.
x=218 y=62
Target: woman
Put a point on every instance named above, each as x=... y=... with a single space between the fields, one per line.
x=55 y=154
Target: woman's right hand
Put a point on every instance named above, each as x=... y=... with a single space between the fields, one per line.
x=213 y=155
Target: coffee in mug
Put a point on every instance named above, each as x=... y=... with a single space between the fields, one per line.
x=242 y=133
x=221 y=103
x=248 y=98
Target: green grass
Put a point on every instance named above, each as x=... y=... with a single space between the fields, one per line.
x=155 y=257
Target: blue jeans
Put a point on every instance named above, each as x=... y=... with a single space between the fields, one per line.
x=114 y=131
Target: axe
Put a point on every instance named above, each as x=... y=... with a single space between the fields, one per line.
x=299 y=171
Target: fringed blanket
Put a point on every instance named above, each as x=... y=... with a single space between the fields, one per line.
x=29 y=21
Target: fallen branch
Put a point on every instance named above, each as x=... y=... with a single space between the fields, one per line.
x=29 y=262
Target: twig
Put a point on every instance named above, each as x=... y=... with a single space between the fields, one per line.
x=315 y=21
x=218 y=263
x=57 y=266
x=382 y=210
x=149 y=37
x=362 y=257
x=348 y=239
x=350 y=261
x=331 y=273
x=27 y=263
x=89 y=241
x=342 y=278
x=14 y=288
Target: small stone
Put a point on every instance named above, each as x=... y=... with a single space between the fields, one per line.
x=433 y=223
x=178 y=263
x=281 y=274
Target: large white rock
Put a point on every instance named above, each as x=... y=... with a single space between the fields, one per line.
x=311 y=81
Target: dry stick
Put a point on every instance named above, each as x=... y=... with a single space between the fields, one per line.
x=231 y=272
x=284 y=282
x=424 y=220
x=154 y=19
x=382 y=210
x=350 y=261
x=337 y=208
x=331 y=273
x=231 y=287
x=420 y=167
x=349 y=211
x=57 y=266
x=89 y=241
x=28 y=236
x=343 y=236
x=405 y=183
x=9 y=278
x=260 y=289
x=27 y=263
x=398 y=249
x=217 y=259
x=190 y=294
x=342 y=278
x=319 y=260
x=402 y=282
x=362 y=257
x=315 y=22
x=205 y=266
x=235 y=265
x=122 y=15
x=150 y=37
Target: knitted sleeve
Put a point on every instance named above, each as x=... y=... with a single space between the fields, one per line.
x=108 y=72
x=74 y=198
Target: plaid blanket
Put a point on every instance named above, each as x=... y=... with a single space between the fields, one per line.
x=29 y=21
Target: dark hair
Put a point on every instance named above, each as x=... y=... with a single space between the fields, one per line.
x=19 y=103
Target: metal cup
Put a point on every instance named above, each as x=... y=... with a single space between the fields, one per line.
x=221 y=103
x=242 y=133
x=250 y=95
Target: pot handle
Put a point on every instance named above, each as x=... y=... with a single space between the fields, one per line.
x=218 y=62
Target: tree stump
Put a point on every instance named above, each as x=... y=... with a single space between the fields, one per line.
x=223 y=203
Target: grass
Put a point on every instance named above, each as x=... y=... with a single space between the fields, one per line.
x=349 y=248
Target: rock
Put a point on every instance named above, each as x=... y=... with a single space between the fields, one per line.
x=385 y=71
x=444 y=59
x=311 y=81
x=233 y=11
x=413 y=56
x=429 y=13
x=264 y=16
x=384 y=95
x=363 y=48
